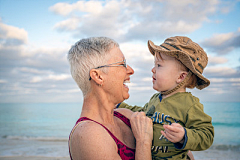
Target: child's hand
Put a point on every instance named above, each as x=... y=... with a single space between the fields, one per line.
x=174 y=132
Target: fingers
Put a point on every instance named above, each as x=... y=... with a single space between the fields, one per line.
x=141 y=126
x=138 y=114
x=174 y=132
x=174 y=127
x=140 y=117
x=169 y=136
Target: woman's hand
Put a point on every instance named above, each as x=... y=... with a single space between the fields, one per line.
x=142 y=128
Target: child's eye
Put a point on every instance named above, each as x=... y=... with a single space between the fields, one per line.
x=158 y=65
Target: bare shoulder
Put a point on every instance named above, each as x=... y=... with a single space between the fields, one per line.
x=90 y=137
x=126 y=112
x=88 y=130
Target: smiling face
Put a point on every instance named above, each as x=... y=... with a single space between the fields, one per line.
x=116 y=77
x=165 y=72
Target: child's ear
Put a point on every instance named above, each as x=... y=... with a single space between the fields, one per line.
x=96 y=76
x=182 y=76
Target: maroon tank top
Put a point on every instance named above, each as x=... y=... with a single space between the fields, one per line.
x=124 y=151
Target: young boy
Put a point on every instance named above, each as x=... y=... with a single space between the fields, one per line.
x=179 y=122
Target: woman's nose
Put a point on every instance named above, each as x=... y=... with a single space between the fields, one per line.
x=130 y=70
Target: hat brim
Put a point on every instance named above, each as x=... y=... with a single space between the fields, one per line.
x=202 y=82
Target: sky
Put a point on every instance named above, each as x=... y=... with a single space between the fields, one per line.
x=35 y=37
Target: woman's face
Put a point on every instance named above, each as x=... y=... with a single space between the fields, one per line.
x=117 y=76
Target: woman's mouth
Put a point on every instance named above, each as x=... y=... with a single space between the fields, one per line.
x=126 y=81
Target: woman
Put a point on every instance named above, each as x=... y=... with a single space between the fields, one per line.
x=99 y=68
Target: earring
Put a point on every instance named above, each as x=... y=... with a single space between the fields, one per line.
x=101 y=84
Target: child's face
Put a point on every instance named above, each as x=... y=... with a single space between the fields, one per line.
x=165 y=73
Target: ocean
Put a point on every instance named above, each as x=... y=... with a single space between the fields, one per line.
x=42 y=129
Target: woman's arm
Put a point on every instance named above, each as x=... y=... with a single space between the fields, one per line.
x=92 y=141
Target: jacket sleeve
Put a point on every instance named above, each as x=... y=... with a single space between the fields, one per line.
x=199 y=129
x=137 y=108
x=133 y=108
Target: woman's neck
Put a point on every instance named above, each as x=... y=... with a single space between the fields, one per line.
x=98 y=107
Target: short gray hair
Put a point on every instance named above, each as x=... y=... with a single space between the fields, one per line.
x=87 y=54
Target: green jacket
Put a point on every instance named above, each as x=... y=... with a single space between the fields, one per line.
x=182 y=108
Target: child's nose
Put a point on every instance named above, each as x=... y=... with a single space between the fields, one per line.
x=153 y=69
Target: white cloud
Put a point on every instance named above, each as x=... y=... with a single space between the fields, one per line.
x=236 y=84
x=147 y=79
x=41 y=51
x=219 y=39
x=32 y=70
x=82 y=6
x=223 y=43
x=136 y=50
x=220 y=80
x=60 y=77
x=68 y=25
x=190 y=9
x=213 y=60
x=10 y=35
x=220 y=71
x=216 y=90
x=36 y=79
x=126 y=20
x=61 y=8
x=73 y=91
x=3 y=81
x=142 y=88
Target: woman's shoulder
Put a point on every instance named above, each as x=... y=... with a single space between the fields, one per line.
x=89 y=133
x=126 y=112
x=87 y=128
x=89 y=136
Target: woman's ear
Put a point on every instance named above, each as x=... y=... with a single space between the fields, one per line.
x=182 y=76
x=96 y=76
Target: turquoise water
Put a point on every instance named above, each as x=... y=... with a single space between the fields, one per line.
x=43 y=129
x=226 y=122
x=38 y=120
x=36 y=129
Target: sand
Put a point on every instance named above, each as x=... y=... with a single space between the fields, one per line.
x=210 y=154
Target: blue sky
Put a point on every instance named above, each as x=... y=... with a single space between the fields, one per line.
x=35 y=37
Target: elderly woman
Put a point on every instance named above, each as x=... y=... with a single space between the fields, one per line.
x=99 y=68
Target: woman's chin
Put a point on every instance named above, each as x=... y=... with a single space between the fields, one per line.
x=126 y=96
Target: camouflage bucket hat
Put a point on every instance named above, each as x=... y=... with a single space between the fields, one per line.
x=186 y=51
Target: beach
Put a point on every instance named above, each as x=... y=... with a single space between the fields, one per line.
x=213 y=153
x=14 y=148
x=216 y=154
x=210 y=154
